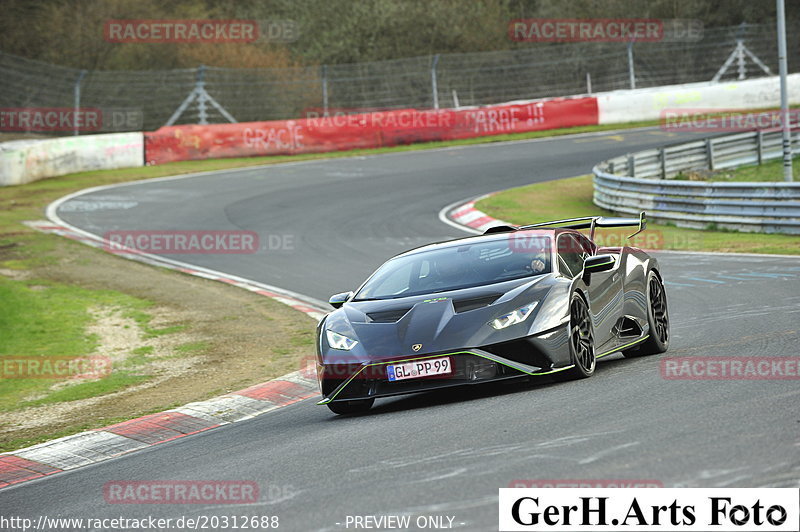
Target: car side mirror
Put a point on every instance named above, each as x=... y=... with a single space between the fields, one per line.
x=337 y=300
x=599 y=263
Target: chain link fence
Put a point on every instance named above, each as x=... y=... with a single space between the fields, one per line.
x=218 y=95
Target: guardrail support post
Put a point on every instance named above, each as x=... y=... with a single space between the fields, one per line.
x=710 y=154
x=760 y=146
x=631 y=165
x=662 y=157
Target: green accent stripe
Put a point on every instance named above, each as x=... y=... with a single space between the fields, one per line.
x=620 y=348
x=600 y=264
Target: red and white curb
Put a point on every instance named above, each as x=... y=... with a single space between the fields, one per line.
x=109 y=442
x=465 y=216
x=104 y=443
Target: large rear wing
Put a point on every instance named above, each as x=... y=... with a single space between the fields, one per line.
x=593 y=222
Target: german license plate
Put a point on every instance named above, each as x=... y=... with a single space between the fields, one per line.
x=419 y=368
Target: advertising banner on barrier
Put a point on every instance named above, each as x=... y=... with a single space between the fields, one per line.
x=367 y=130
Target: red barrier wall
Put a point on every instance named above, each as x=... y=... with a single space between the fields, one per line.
x=369 y=130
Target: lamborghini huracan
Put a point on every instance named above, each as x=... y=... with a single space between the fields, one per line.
x=539 y=299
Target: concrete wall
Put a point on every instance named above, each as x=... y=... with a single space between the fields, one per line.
x=646 y=104
x=23 y=161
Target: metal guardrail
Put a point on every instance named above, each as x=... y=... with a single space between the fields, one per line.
x=644 y=181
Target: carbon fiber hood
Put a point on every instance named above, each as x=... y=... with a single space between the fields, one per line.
x=442 y=322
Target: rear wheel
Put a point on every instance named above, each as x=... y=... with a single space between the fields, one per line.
x=657 y=318
x=351 y=407
x=581 y=341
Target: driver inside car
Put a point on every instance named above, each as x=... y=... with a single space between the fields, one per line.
x=449 y=272
x=538 y=263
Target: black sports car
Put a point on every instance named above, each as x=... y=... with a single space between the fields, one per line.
x=516 y=301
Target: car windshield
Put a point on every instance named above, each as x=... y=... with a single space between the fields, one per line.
x=460 y=266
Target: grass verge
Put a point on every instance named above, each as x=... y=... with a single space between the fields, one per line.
x=568 y=198
x=770 y=171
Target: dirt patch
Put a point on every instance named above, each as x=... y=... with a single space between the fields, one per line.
x=231 y=339
x=17 y=275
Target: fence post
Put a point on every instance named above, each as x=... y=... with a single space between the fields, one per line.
x=710 y=154
x=77 y=101
x=434 y=86
x=201 y=101
x=740 y=58
x=588 y=83
x=663 y=158
x=631 y=71
x=324 y=90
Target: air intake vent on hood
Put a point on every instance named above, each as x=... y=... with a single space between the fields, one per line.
x=387 y=316
x=463 y=305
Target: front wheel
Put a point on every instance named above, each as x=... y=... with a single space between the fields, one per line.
x=581 y=341
x=351 y=407
x=657 y=319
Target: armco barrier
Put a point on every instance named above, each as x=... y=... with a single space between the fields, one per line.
x=641 y=182
x=368 y=130
x=646 y=104
x=23 y=161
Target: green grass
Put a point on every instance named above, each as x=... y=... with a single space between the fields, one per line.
x=50 y=320
x=118 y=380
x=770 y=171
x=191 y=347
x=568 y=198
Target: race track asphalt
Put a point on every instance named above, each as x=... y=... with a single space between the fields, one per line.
x=445 y=454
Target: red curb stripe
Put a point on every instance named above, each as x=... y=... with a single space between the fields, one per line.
x=265 y=293
x=480 y=221
x=464 y=209
x=464 y=214
x=278 y=392
x=14 y=469
x=158 y=428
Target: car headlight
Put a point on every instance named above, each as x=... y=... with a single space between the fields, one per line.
x=517 y=316
x=340 y=341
